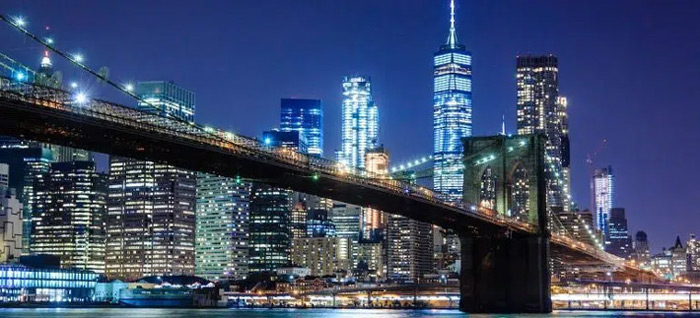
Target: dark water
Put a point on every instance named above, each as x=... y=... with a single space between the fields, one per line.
x=294 y=313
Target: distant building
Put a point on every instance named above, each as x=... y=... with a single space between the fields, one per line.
x=292 y=140
x=410 y=249
x=306 y=117
x=540 y=109
x=360 y=122
x=20 y=283
x=10 y=219
x=151 y=206
x=68 y=205
x=452 y=111
x=693 y=250
x=221 y=246
x=641 y=248
x=373 y=220
x=618 y=242
x=579 y=224
x=672 y=262
x=371 y=257
x=269 y=228
x=603 y=189
x=323 y=255
x=318 y=224
x=346 y=219
x=298 y=222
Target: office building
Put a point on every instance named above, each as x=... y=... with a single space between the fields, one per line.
x=298 y=222
x=322 y=255
x=370 y=260
x=151 y=206
x=318 y=224
x=68 y=218
x=452 y=111
x=693 y=250
x=410 y=249
x=373 y=220
x=221 y=246
x=603 y=189
x=10 y=219
x=540 y=109
x=20 y=283
x=641 y=248
x=360 y=122
x=346 y=218
x=269 y=228
x=292 y=140
x=306 y=117
x=618 y=242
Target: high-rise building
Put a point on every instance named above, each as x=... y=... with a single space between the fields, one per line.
x=298 y=222
x=25 y=163
x=68 y=215
x=371 y=257
x=151 y=206
x=452 y=111
x=292 y=140
x=269 y=228
x=322 y=255
x=10 y=219
x=318 y=224
x=693 y=250
x=360 y=124
x=618 y=241
x=221 y=246
x=410 y=249
x=346 y=218
x=603 y=189
x=306 y=117
x=540 y=109
x=641 y=248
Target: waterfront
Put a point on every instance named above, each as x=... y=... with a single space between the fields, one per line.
x=294 y=313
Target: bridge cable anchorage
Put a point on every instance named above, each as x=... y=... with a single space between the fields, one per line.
x=78 y=62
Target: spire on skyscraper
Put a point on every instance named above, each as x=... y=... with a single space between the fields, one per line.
x=452 y=38
x=46 y=61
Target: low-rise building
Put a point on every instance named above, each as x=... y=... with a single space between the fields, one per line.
x=322 y=255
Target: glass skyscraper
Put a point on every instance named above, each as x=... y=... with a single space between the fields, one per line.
x=306 y=117
x=603 y=190
x=452 y=112
x=360 y=125
x=150 y=205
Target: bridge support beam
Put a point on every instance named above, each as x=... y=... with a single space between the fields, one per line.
x=503 y=274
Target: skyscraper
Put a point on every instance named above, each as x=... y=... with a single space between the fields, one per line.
x=221 y=247
x=410 y=248
x=373 y=220
x=540 y=109
x=270 y=228
x=618 y=241
x=452 y=111
x=306 y=117
x=347 y=220
x=603 y=186
x=641 y=248
x=68 y=215
x=151 y=206
x=10 y=219
x=360 y=125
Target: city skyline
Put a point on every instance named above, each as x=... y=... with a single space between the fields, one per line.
x=485 y=122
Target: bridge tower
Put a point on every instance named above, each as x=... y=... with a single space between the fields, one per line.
x=505 y=271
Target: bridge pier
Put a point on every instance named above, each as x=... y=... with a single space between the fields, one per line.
x=502 y=274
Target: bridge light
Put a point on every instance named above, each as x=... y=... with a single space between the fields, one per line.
x=49 y=40
x=74 y=85
x=129 y=87
x=20 y=76
x=315 y=177
x=20 y=21
x=78 y=58
x=81 y=98
x=238 y=179
x=268 y=141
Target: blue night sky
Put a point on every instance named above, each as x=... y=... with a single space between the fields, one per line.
x=629 y=69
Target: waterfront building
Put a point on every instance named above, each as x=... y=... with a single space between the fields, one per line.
x=618 y=242
x=693 y=250
x=346 y=218
x=20 y=283
x=540 y=109
x=68 y=215
x=360 y=122
x=641 y=248
x=322 y=255
x=452 y=111
x=269 y=228
x=306 y=117
x=410 y=249
x=151 y=206
x=603 y=189
x=221 y=232
x=10 y=219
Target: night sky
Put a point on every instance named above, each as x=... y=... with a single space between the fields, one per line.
x=628 y=68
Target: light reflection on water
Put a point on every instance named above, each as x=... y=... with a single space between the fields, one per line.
x=294 y=313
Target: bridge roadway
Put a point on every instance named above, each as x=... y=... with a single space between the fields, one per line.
x=55 y=116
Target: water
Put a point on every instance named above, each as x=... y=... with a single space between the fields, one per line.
x=293 y=313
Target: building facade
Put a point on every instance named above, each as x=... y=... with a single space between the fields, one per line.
x=221 y=246
x=641 y=248
x=540 y=109
x=151 y=206
x=603 y=191
x=10 y=219
x=347 y=221
x=452 y=111
x=410 y=249
x=373 y=220
x=322 y=255
x=69 y=214
x=306 y=117
x=360 y=121
x=618 y=242
x=270 y=228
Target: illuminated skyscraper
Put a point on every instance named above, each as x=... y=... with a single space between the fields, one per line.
x=603 y=186
x=270 y=228
x=221 y=247
x=360 y=121
x=306 y=117
x=373 y=220
x=68 y=215
x=452 y=111
x=618 y=241
x=540 y=109
x=151 y=206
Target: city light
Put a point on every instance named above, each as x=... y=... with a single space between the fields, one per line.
x=81 y=98
x=74 y=85
x=19 y=21
x=49 y=40
x=20 y=76
x=78 y=58
x=129 y=87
